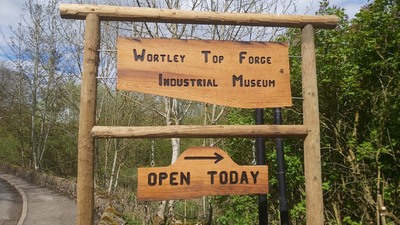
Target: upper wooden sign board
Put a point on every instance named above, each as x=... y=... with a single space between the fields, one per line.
x=201 y=171
x=237 y=74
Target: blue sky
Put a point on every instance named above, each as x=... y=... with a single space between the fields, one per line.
x=10 y=12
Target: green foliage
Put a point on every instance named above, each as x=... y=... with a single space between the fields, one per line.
x=130 y=220
x=9 y=149
x=358 y=78
x=347 y=220
x=297 y=212
x=358 y=68
x=239 y=210
x=191 y=209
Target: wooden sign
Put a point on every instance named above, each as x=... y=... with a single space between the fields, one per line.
x=201 y=171
x=237 y=74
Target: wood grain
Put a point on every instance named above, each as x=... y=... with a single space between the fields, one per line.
x=142 y=14
x=192 y=131
x=312 y=148
x=194 y=175
x=85 y=189
x=236 y=74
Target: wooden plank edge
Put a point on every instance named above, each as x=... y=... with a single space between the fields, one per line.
x=193 y=131
x=143 y=14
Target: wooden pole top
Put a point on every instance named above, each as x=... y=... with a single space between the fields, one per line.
x=139 y=14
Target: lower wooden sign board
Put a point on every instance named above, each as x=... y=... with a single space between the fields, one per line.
x=230 y=73
x=201 y=171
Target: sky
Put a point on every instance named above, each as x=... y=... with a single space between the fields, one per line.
x=10 y=13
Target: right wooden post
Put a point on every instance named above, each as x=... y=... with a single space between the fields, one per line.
x=312 y=148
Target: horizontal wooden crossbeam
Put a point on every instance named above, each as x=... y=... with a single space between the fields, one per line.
x=191 y=131
x=139 y=14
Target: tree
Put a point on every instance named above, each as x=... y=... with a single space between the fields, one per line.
x=358 y=77
x=375 y=40
x=35 y=53
x=9 y=111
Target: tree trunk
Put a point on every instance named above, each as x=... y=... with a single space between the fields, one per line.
x=110 y=184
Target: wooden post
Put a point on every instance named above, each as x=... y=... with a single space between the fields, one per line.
x=312 y=151
x=85 y=193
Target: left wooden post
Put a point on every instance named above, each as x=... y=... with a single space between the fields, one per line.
x=87 y=117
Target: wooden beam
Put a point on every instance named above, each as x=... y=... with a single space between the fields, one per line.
x=85 y=193
x=138 y=14
x=191 y=131
x=312 y=149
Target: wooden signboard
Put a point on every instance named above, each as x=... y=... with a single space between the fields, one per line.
x=237 y=74
x=201 y=171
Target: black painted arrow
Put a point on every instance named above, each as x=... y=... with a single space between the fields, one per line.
x=217 y=157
